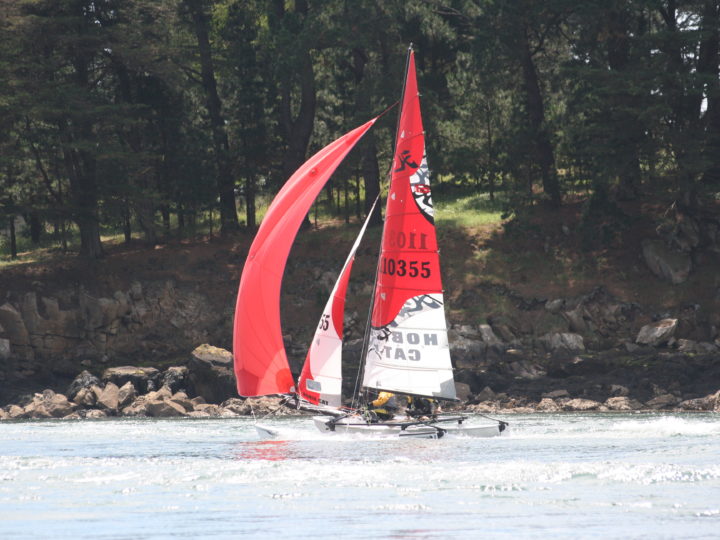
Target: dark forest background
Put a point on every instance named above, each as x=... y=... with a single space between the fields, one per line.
x=146 y=117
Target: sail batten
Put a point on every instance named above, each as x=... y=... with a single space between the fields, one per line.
x=260 y=360
x=408 y=349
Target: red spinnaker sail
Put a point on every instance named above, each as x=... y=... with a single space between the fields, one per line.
x=261 y=366
x=409 y=264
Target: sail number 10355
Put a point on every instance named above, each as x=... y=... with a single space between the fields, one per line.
x=401 y=267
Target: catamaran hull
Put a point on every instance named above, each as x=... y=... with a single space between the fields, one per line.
x=430 y=431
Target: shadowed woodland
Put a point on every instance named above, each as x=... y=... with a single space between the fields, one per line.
x=153 y=119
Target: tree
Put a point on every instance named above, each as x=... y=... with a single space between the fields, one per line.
x=197 y=10
x=514 y=36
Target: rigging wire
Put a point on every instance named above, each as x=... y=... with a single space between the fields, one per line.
x=368 y=325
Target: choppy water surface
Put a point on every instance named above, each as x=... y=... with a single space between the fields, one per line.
x=569 y=475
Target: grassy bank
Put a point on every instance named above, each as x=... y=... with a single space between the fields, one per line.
x=547 y=254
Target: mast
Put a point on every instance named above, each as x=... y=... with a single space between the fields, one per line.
x=366 y=336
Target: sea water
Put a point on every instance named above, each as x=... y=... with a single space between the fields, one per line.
x=551 y=476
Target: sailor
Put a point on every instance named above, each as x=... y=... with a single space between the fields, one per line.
x=421 y=407
x=384 y=407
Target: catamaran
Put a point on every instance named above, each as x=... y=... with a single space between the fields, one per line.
x=406 y=348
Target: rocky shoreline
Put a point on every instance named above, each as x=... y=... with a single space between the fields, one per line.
x=205 y=388
x=646 y=339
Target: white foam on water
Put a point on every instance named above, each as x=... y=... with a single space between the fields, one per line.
x=613 y=425
x=552 y=476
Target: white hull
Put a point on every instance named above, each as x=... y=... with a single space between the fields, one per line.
x=356 y=425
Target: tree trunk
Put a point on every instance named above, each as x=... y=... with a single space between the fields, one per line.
x=710 y=54
x=250 y=208
x=491 y=152
x=76 y=136
x=13 y=238
x=298 y=130
x=370 y=169
x=35 y=228
x=144 y=205
x=371 y=174
x=225 y=180
x=127 y=229
x=81 y=170
x=629 y=130
x=165 y=213
x=684 y=100
x=536 y=116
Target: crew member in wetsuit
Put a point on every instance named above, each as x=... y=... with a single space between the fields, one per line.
x=384 y=407
x=420 y=406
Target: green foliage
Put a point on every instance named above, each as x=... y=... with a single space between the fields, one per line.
x=467 y=208
x=105 y=118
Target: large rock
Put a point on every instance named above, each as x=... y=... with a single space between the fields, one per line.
x=163 y=393
x=486 y=394
x=4 y=348
x=578 y=319
x=623 y=403
x=136 y=408
x=657 y=333
x=59 y=406
x=109 y=398
x=207 y=410
x=87 y=397
x=126 y=395
x=16 y=332
x=14 y=411
x=580 y=404
x=164 y=408
x=668 y=264
x=707 y=403
x=48 y=404
x=554 y=306
x=467 y=352
x=257 y=406
x=144 y=379
x=210 y=374
x=547 y=405
x=181 y=399
x=35 y=409
x=524 y=369
x=663 y=401
x=462 y=391
x=44 y=334
x=488 y=336
x=237 y=406
x=175 y=378
x=83 y=381
x=689 y=346
x=563 y=342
